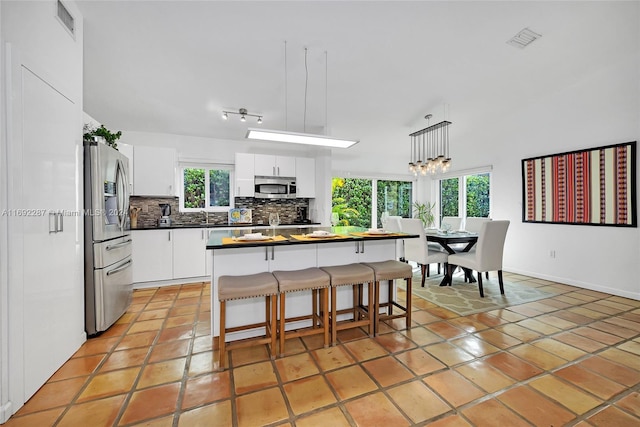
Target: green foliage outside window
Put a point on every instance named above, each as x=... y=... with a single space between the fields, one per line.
x=351 y=199
x=478 y=195
x=219 y=187
x=194 y=188
x=449 y=197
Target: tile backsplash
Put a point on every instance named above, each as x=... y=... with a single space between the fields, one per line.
x=150 y=210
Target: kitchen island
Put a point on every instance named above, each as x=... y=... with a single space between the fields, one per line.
x=289 y=249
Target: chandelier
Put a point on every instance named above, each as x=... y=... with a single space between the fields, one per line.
x=430 y=149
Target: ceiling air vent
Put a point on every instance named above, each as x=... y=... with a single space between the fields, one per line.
x=524 y=38
x=66 y=18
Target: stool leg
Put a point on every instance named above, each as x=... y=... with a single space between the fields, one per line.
x=370 y=310
x=408 y=303
x=221 y=338
x=273 y=324
x=334 y=332
x=315 y=298
x=357 y=300
x=376 y=306
x=325 y=315
x=282 y=321
x=390 y=299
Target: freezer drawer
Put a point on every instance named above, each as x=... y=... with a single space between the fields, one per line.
x=113 y=293
x=111 y=251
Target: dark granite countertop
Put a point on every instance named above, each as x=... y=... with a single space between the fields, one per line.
x=216 y=237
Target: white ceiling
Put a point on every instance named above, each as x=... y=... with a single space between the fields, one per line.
x=173 y=66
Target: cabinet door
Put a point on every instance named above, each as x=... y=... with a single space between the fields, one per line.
x=189 y=253
x=152 y=254
x=285 y=166
x=305 y=177
x=244 y=173
x=265 y=165
x=154 y=171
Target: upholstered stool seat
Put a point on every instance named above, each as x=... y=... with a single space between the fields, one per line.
x=248 y=286
x=354 y=275
x=390 y=271
x=318 y=282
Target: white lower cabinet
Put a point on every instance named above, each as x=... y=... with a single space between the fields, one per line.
x=152 y=254
x=189 y=252
x=160 y=255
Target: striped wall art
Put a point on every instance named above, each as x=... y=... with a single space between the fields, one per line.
x=586 y=187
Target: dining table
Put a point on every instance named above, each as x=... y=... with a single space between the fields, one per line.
x=446 y=240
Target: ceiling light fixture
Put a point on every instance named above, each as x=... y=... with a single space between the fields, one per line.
x=300 y=137
x=243 y=113
x=432 y=143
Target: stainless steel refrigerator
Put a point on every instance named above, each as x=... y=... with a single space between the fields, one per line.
x=107 y=248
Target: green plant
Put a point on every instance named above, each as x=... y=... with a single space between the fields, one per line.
x=424 y=212
x=110 y=138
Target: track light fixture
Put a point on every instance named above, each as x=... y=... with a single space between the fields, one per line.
x=243 y=113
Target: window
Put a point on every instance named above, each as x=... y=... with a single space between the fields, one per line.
x=357 y=200
x=466 y=195
x=394 y=197
x=206 y=188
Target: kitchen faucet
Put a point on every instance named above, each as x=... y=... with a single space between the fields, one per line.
x=206 y=216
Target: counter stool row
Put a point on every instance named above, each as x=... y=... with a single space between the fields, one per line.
x=323 y=317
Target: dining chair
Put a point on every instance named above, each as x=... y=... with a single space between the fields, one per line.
x=393 y=225
x=488 y=253
x=454 y=221
x=417 y=250
x=474 y=224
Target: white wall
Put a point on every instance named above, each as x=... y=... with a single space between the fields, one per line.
x=600 y=109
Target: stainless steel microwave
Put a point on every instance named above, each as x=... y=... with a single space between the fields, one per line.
x=269 y=187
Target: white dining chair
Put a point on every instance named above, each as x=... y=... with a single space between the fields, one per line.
x=488 y=253
x=454 y=221
x=417 y=250
x=393 y=225
x=474 y=224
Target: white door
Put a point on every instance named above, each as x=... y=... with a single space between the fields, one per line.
x=50 y=299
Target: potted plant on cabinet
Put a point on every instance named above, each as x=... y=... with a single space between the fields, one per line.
x=109 y=137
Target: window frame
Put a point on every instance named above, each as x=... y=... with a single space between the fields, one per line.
x=462 y=188
x=374 y=189
x=207 y=167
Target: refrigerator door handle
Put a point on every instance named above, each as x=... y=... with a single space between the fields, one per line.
x=53 y=225
x=59 y=222
x=123 y=197
x=118 y=245
x=120 y=268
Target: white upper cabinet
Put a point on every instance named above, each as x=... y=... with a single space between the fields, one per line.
x=244 y=172
x=305 y=177
x=154 y=171
x=268 y=165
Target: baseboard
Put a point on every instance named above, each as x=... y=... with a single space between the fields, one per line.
x=579 y=284
x=161 y=283
x=5 y=412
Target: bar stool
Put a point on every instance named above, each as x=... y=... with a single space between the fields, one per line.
x=318 y=282
x=249 y=286
x=391 y=270
x=355 y=275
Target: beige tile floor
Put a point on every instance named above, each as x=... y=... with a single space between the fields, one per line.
x=573 y=359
